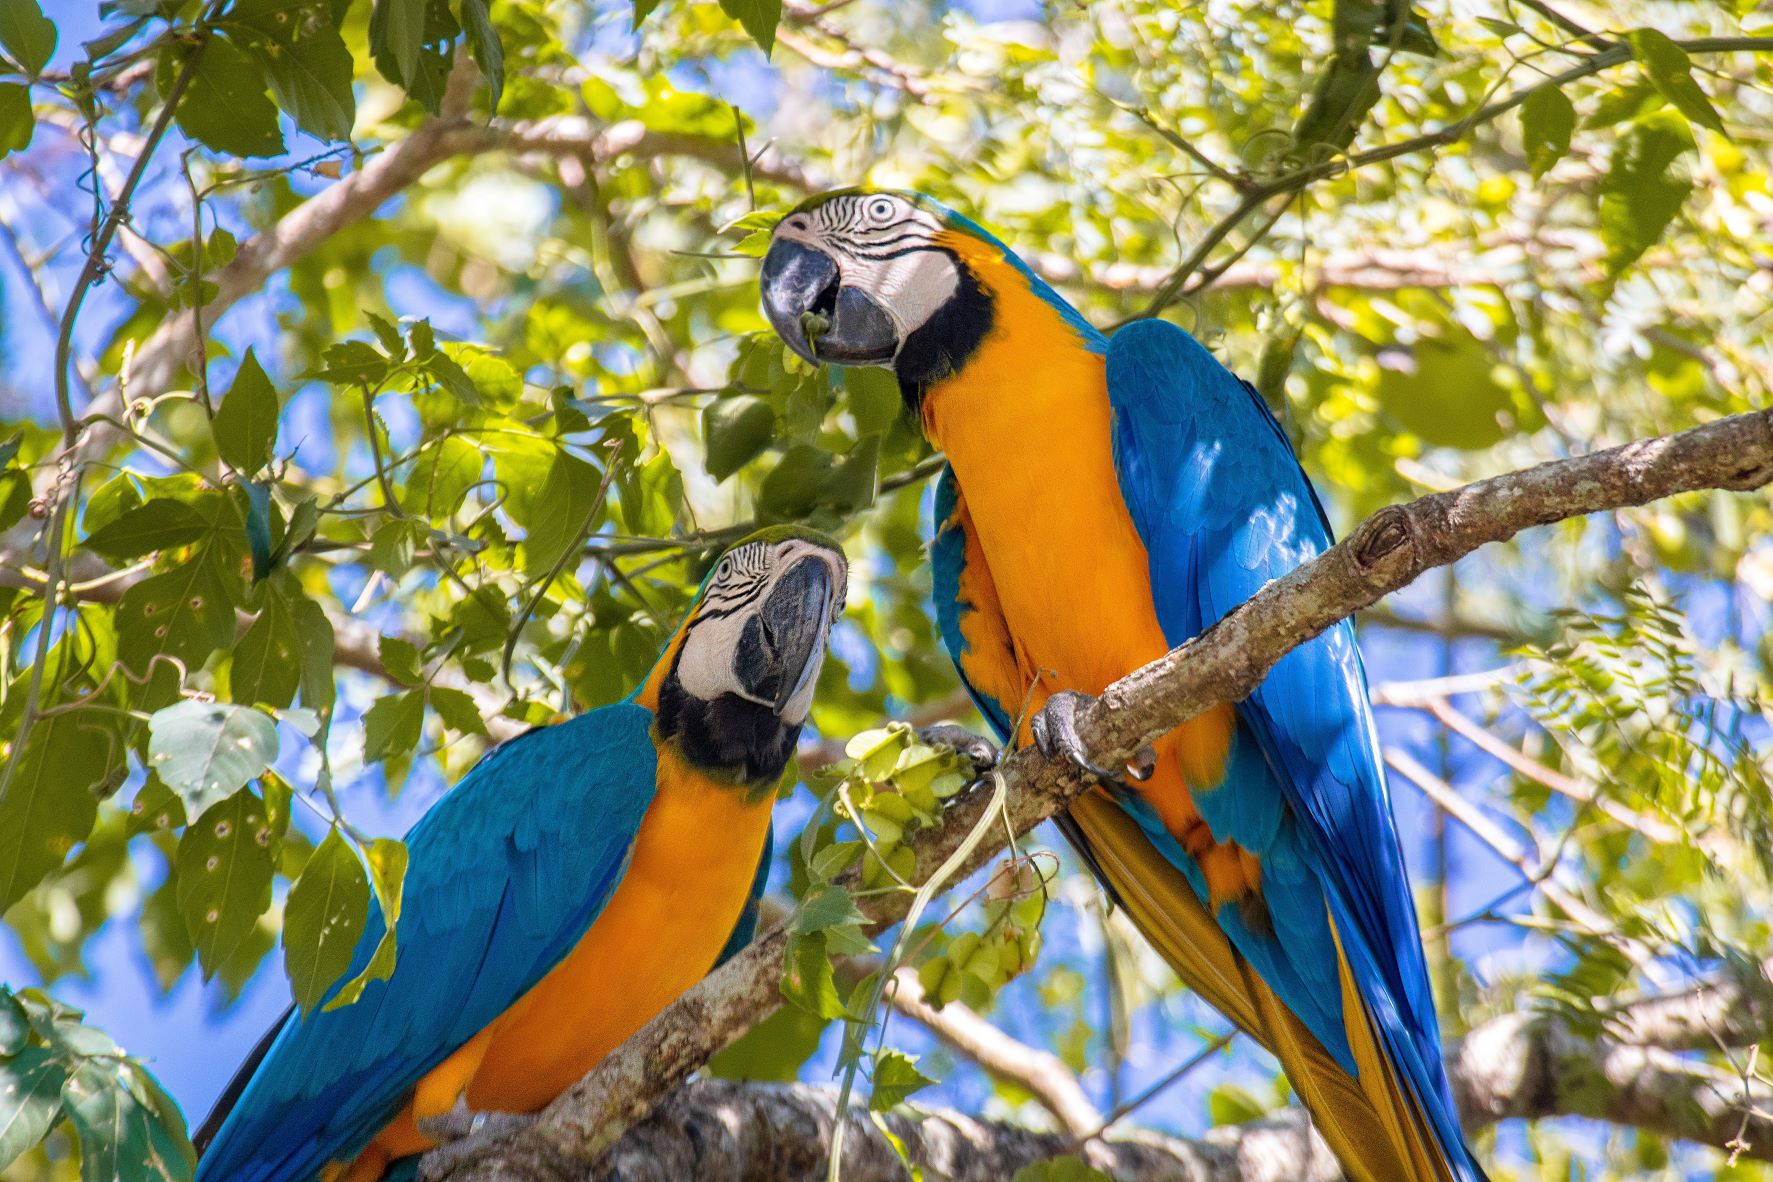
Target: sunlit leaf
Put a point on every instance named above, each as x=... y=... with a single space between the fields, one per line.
x=327 y=908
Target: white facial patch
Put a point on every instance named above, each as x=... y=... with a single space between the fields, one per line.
x=736 y=592
x=884 y=246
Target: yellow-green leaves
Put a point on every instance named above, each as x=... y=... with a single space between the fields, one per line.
x=1671 y=73
x=895 y=1078
x=1547 y=120
x=225 y=865
x=735 y=431
x=55 y=1068
x=387 y=874
x=325 y=915
x=27 y=35
x=760 y=18
x=245 y=424
x=1644 y=188
x=1445 y=390
x=225 y=106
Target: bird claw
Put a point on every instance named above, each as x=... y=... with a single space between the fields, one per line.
x=463 y=1134
x=1054 y=727
x=981 y=752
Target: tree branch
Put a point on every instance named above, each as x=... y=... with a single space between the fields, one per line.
x=1041 y=1073
x=1224 y=664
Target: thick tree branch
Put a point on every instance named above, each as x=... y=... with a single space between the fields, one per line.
x=1224 y=664
x=1525 y=1066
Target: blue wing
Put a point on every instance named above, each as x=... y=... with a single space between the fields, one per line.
x=505 y=874
x=966 y=602
x=1223 y=507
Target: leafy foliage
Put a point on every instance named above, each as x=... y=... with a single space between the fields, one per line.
x=483 y=386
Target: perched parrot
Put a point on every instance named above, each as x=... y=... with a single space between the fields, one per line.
x=1104 y=501
x=575 y=882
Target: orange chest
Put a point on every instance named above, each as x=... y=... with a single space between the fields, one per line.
x=687 y=882
x=1026 y=426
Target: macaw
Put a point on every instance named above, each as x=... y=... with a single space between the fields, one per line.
x=576 y=881
x=1104 y=500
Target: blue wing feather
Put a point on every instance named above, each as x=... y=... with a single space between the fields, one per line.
x=948 y=561
x=505 y=874
x=1223 y=507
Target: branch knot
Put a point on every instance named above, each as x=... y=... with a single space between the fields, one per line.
x=1380 y=537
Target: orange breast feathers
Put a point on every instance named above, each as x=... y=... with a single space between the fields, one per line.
x=1026 y=426
x=690 y=876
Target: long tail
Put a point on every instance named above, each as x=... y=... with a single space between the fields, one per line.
x=1373 y=1121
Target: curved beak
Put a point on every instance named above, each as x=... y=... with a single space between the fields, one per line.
x=818 y=317
x=782 y=647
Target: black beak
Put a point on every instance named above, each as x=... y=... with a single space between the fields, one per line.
x=818 y=317
x=783 y=645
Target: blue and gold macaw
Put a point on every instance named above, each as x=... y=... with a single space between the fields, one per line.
x=575 y=882
x=1104 y=501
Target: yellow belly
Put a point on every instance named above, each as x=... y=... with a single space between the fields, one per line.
x=690 y=876
x=1071 y=573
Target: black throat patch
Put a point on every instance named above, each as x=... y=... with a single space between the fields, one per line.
x=730 y=738
x=946 y=341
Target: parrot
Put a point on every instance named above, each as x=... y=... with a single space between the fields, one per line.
x=577 y=880
x=1105 y=499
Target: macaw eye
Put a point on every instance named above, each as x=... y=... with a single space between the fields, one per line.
x=724 y=569
x=881 y=210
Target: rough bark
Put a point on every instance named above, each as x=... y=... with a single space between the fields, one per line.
x=1386 y=552
x=1516 y=1066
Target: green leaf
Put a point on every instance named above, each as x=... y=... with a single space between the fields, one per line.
x=1229 y=1104
x=483 y=43
x=1448 y=394
x=401 y=659
x=1547 y=119
x=246 y=422
x=17 y=120
x=392 y=726
x=402 y=29
x=458 y=710
x=793 y=485
x=267 y=667
x=328 y=907
x=30 y=1100
x=441 y=476
x=52 y=801
x=15 y=1029
x=1060 y=1169
x=896 y=1077
x=875 y=400
x=855 y=480
x=225 y=866
x=387 y=874
x=156 y=809
x=807 y=978
x=186 y=613
x=760 y=18
x=303 y=58
x=27 y=34
x=160 y=524
x=1642 y=191
x=352 y=363
x=564 y=512
x=773 y=1050
x=735 y=432
x=1671 y=73
x=205 y=751
x=225 y=107
x=642 y=10
x=315 y=631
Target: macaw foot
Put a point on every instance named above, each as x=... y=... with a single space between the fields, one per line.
x=980 y=751
x=1055 y=734
x=463 y=1134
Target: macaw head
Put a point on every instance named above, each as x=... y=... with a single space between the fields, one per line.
x=736 y=683
x=878 y=277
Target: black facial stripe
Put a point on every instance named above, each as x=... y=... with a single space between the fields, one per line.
x=888 y=255
x=943 y=343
